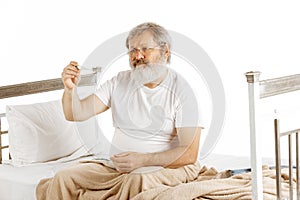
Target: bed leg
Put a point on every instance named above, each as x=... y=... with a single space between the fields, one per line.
x=290 y=167
x=278 y=159
x=0 y=143
x=256 y=161
x=297 y=167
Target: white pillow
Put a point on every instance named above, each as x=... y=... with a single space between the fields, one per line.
x=39 y=132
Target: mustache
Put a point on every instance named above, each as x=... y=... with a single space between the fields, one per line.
x=139 y=62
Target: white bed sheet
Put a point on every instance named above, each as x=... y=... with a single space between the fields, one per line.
x=224 y=162
x=18 y=183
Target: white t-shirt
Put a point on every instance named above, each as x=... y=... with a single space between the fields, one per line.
x=145 y=119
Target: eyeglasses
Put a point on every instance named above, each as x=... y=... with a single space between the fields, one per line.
x=143 y=50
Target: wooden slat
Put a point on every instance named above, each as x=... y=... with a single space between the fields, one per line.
x=4 y=147
x=3 y=132
x=281 y=85
x=42 y=86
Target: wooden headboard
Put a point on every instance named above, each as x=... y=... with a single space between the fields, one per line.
x=35 y=87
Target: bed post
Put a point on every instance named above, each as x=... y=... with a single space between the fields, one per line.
x=256 y=163
x=0 y=142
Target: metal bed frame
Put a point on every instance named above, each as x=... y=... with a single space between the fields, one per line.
x=259 y=89
x=35 y=87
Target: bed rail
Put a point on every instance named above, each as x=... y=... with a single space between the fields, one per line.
x=289 y=135
x=276 y=86
x=35 y=87
x=44 y=85
x=258 y=89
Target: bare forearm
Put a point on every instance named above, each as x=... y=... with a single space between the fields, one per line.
x=185 y=154
x=173 y=158
x=178 y=157
x=76 y=109
x=71 y=104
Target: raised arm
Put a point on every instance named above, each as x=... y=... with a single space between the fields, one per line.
x=76 y=109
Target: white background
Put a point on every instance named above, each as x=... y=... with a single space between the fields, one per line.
x=38 y=38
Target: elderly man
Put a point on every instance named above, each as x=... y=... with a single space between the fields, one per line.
x=156 y=122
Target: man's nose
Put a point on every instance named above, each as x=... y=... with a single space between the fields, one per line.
x=139 y=55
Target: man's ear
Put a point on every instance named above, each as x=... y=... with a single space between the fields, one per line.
x=167 y=52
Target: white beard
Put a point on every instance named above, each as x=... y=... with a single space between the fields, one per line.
x=148 y=73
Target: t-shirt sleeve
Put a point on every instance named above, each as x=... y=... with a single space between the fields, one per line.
x=104 y=91
x=188 y=112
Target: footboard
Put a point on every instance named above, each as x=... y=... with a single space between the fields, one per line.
x=258 y=89
x=290 y=135
x=38 y=87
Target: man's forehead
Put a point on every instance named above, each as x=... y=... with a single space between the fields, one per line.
x=142 y=40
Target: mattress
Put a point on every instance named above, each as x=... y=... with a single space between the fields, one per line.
x=223 y=162
x=18 y=183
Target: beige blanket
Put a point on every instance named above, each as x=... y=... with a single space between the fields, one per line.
x=190 y=182
x=211 y=184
